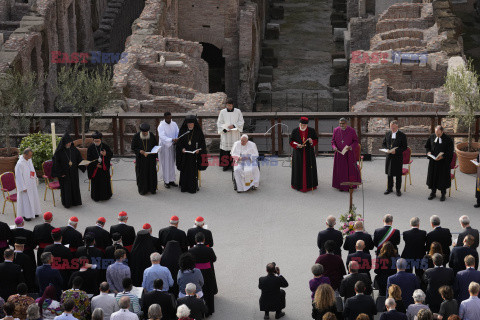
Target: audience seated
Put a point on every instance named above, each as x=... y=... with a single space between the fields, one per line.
x=449 y=305
x=419 y=299
x=347 y=286
x=332 y=264
x=359 y=304
x=318 y=278
x=324 y=301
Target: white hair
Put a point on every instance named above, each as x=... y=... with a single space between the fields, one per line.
x=244 y=136
x=464 y=220
x=97 y=314
x=190 y=288
x=183 y=311
x=435 y=220
x=419 y=296
x=72 y=223
x=155 y=257
x=330 y=221
x=390 y=303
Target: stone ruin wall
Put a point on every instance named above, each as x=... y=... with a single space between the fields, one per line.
x=377 y=83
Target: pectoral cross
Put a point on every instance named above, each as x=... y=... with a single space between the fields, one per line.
x=342 y=141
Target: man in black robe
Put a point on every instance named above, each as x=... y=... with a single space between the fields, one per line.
x=146 y=163
x=440 y=146
x=20 y=231
x=25 y=262
x=394 y=161
x=128 y=232
x=62 y=257
x=71 y=236
x=199 y=227
x=42 y=235
x=304 y=166
x=204 y=259
x=65 y=167
x=173 y=233
x=191 y=152
x=5 y=236
x=103 y=239
x=99 y=169
x=477 y=187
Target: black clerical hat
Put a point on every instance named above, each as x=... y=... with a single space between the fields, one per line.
x=145 y=127
x=116 y=236
x=191 y=118
x=20 y=240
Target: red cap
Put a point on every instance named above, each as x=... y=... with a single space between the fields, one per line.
x=56 y=230
x=174 y=218
x=122 y=214
x=147 y=226
x=304 y=120
x=102 y=220
x=47 y=216
x=199 y=219
x=74 y=219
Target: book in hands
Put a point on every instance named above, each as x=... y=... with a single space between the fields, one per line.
x=186 y=151
x=345 y=149
x=475 y=162
x=154 y=150
x=435 y=158
x=388 y=150
x=84 y=163
x=225 y=127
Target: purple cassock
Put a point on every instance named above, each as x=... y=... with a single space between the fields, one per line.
x=345 y=166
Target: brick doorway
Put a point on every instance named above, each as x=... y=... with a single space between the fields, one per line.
x=216 y=67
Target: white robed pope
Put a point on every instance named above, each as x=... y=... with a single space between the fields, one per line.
x=26 y=180
x=246 y=172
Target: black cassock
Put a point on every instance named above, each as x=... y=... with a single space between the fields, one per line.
x=187 y=163
x=204 y=259
x=28 y=268
x=145 y=167
x=304 y=165
x=101 y=188
x=477 y=184
x=438 y=176
x=394 y=162
x=68 y=174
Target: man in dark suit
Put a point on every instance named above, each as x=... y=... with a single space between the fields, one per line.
x=128 y=232
x=62 y=257
x=457 y=257
x=272 y=297
x=197 y=306
x=11 y=275
x=439 y=234
x=20 y=231
x=42 y=235
x=392 y=313
x=364 y=259
x=434 y=278
x=387 y=233
x=199 y=227
x=465 y=223
x=164 y=299
x=102 y=236
x=463 y=279
x=408 y=282
x=330 y=234
x=360 y=303
x=5 y=236
x=396 y=143
x=25 y=262
x=46 y=275
x=414 y=249
x=360 y=234
x=173 y=233
x=332 y=264
x=347 y=286
x=71 y=236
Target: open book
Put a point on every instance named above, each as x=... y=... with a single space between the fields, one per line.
x=186 y=151
x=154 y=150
x=85 y=162
x=345 y=149
x=435 y=158
x=387 y=150
x=225 y=127
x=475 y=162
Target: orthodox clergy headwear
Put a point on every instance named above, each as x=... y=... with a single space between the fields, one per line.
x=190 y=119
x=20 y=240
x=116 y=236
x=97 y=135
x=144 y=127
x=304 y=120
x=65 y=139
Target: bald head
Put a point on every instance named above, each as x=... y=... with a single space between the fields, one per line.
x=124 y=302
x=360 y=245
x=353 y=267
x=330 y=221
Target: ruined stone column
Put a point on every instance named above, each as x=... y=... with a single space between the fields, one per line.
x=231 y=48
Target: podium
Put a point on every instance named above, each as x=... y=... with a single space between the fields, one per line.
x=350 y=189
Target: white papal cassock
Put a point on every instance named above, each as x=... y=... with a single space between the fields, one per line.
x=167 y=132
x=28 y=202
x=246 y=171
x=226 y=119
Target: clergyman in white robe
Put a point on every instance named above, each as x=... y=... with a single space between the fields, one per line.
x=230 y=126
x=167 y=132
x=245 y=170
x=28 y=202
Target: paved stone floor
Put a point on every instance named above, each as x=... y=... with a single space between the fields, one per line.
x=274 y=223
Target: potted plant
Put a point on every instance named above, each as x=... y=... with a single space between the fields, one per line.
x=87 y=92
x=462 y=84
x=41 y=145
x=18 y=93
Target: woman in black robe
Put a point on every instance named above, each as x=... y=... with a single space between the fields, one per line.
x=65 y=167
x=99 y=169
x=170 y=258
x=190 y=163
x=145 y=164
x=143 y=247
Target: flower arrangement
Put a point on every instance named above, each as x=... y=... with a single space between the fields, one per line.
x=348 y=221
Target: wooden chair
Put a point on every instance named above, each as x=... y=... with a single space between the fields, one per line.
x=7 y=182
x=407 y=159
x=454 y=166
x=50 y=182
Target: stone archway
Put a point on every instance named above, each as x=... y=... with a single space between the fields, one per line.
x=216 y=67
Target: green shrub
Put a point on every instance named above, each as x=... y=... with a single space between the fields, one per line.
x=41 y=144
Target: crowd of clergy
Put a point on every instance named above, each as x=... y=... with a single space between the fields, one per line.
x=434 y=277
x=120 y=273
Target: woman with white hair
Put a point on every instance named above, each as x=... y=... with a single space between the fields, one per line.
x=419 y=298
x=97 y=314
x=154 y=312
x=183 y=313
